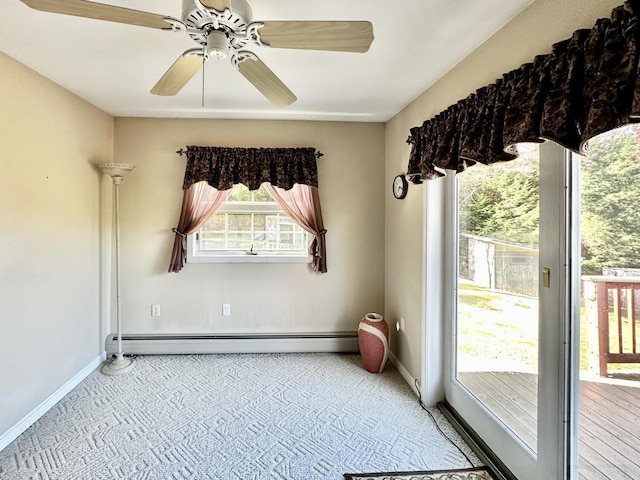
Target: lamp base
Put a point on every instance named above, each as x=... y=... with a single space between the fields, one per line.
x=117 y=365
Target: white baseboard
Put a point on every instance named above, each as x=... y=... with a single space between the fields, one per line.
x=169 y=344
x=15 y=431
x=405 y=373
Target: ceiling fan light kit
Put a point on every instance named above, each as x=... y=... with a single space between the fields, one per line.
x=225 y=28
x=217 y=45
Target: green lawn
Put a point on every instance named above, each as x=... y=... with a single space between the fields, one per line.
x=501 y=329
x=496 y=327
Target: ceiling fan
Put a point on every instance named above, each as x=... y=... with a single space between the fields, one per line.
x=225 y=28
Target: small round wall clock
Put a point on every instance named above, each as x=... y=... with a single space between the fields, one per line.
x=400 y=187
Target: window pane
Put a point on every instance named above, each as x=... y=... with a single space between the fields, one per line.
x=239 y=193
x=216 y=222
x=261 y=195
x=243 y=222
x=285 y=225
x=239 y=222
x=497 y=302
x=271 y=223
x=239 y=241
x=259 y=221
x=211 y=241
x=300 y=239
x=610 y=307
x=286 y=240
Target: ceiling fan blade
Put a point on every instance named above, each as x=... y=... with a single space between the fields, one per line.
x=346 y=36
x=266 y=82
x=219 y=5
x=100 y=11
x=178 y=75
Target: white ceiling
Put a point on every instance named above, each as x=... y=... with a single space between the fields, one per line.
x=113 y=66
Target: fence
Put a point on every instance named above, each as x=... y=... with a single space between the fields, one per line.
x=499 y=265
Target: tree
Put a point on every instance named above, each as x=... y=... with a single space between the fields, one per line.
x=500 y=201
x=610 y=202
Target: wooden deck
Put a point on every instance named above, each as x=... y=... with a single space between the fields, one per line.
x=609 y=436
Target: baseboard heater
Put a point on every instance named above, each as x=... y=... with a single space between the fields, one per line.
x=342 y=342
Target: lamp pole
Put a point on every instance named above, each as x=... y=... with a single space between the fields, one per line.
x=118 y=364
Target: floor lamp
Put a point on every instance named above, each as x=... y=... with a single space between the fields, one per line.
x=118 y=364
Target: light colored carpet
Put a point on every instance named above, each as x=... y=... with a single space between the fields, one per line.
x=285 y=416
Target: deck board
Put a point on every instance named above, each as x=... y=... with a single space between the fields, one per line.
x=492 y=393
x=609 y=418
x=611 y=454
x=603 y=399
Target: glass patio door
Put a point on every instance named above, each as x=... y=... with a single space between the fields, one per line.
x=507 y=334
x=609 y=310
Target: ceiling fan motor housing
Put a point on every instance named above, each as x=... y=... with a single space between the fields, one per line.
x=235 y=19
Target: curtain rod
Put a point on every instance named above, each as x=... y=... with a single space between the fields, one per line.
x=182 y=152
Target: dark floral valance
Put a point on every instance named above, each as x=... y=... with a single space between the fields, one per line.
x=223 y=167
x=588 y=85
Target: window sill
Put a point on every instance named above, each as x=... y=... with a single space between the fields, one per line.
x=248 y=259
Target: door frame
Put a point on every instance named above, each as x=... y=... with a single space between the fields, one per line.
x=557 y=389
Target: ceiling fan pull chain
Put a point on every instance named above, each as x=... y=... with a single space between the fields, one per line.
x=203 y=60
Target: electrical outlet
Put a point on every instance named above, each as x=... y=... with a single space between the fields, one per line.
x=226 y=309
x=155 y=310
x=402 y=324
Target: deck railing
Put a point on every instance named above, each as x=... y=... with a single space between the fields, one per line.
x=611 y=305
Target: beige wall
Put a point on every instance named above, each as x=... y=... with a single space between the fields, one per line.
x=263 y=297
x=50 y=275
x=530 y=33
x=56 y=221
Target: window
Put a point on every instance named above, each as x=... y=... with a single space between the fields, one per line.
x=249 y=227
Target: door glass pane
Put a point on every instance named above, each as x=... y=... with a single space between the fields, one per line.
x=497 y=301
x=609 y=400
